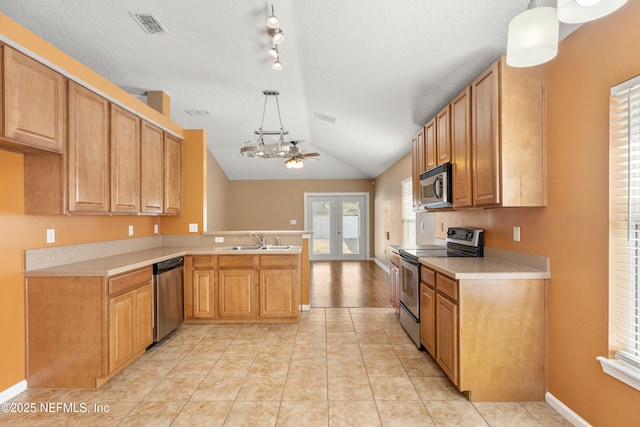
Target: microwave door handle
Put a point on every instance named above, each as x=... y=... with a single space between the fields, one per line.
x=436 y=187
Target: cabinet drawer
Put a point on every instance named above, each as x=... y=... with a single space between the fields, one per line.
x=428 y=276
x=204 y=261
x=128 y=281
x=278 y=260
x=235 y=261
x=447 y=286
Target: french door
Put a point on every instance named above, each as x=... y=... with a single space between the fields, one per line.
x=339 y=223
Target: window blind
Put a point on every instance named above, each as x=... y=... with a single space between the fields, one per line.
x=408 y=214
x=624 y=215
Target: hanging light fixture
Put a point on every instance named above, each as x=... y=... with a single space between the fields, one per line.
x=257 y=146
x=579 y=11
x=272 y=20
x=533 y=36
x=294 y=163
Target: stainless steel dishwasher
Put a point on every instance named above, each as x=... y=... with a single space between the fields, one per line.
x=168 y=297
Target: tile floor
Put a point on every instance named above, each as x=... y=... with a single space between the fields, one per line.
x=336 y=367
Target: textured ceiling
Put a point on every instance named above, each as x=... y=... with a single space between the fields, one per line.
x=381 y=68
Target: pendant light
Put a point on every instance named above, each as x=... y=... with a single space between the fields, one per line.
x=533 y=36
x=579 y=11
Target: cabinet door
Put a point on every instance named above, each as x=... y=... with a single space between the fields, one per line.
x=88 y=151
x=428 y=318
x=151 y=168
x=34 y=103
x=122 y=341
x=485 y=137
x=447 y=337
x=125 y=161
x=143 y=331
x=172 y=176
x=394 y=286
x=279 y=293
x=236 y=293
x=417 y=165
x=430 y=153
x=204 y=294
x=461 y=149
x=443 y=136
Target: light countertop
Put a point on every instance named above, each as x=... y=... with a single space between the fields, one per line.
x=116 y=264
x=482 y=268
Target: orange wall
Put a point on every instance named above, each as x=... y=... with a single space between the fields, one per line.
x=573 y=229
x=19 y=232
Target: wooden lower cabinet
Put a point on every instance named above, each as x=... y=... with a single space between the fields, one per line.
x=83 y=330
x=428 y=318
x=489 y=334
x=394 y=282
x=204 y=286
x=242 y=287
x=447 y=336
x=237 y=293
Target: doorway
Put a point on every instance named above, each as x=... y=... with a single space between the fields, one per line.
x=340 y=224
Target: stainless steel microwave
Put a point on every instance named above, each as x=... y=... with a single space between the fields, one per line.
x=435 y=187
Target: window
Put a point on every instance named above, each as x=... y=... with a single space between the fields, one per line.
x=408 y=214
x=624 y=234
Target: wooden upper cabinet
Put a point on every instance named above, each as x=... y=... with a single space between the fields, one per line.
x=151 y=168
x=461 y=149
x=88 y=151
x=125 y=161
x=485 y=137
x=33 y=104
x=172 y=175
x=417 y=165
x=508 y=136
x=430 y=148
x=443 y=136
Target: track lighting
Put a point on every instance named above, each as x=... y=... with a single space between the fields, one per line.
x=272 y=20
x=276 y=34
x=277 y=65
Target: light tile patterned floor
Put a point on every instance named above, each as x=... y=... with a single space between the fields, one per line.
x=336 y=367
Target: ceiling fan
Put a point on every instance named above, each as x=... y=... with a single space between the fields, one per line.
x=296 y=156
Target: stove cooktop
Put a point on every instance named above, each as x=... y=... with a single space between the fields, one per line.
x=461 y=242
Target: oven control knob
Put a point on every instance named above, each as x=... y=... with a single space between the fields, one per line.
x=469 y=235
x=450 y=232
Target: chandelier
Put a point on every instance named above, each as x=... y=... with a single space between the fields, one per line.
x=257 y=147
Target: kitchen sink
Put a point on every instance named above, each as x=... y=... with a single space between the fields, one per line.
x=245 y=248
x=261 y=247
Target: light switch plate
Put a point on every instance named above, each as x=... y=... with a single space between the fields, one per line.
x=131 y=230
x=193 y=228
x=516 y=234
x=219 y=239
x=51 y=235
x=293 y=222
x=155 y=228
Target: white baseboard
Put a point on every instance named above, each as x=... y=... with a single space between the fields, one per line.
x=565 y=411
x=383 y=266
x=13 y=391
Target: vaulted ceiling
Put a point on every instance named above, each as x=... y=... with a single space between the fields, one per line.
x=380 y=68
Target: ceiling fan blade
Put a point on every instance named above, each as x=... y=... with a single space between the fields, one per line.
x=310 y=154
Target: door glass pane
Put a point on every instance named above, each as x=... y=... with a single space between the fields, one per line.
x=321 y=223
x=350 y=227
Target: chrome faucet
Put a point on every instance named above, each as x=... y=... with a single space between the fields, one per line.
x=262 y=241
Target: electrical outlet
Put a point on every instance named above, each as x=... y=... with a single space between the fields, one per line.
x=131 y=230
x=293 y=222
x=219 y=240
x=516 y=234
x=155 y=228
x=51 y=235
x=193 y=228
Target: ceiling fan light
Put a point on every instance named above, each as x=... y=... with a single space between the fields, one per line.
x=277 y=65
x=579 y=11
x=533 y=37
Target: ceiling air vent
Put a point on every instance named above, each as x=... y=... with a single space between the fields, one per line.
x=149 y=23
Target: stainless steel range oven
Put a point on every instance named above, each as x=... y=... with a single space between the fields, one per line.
x=461 y=242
